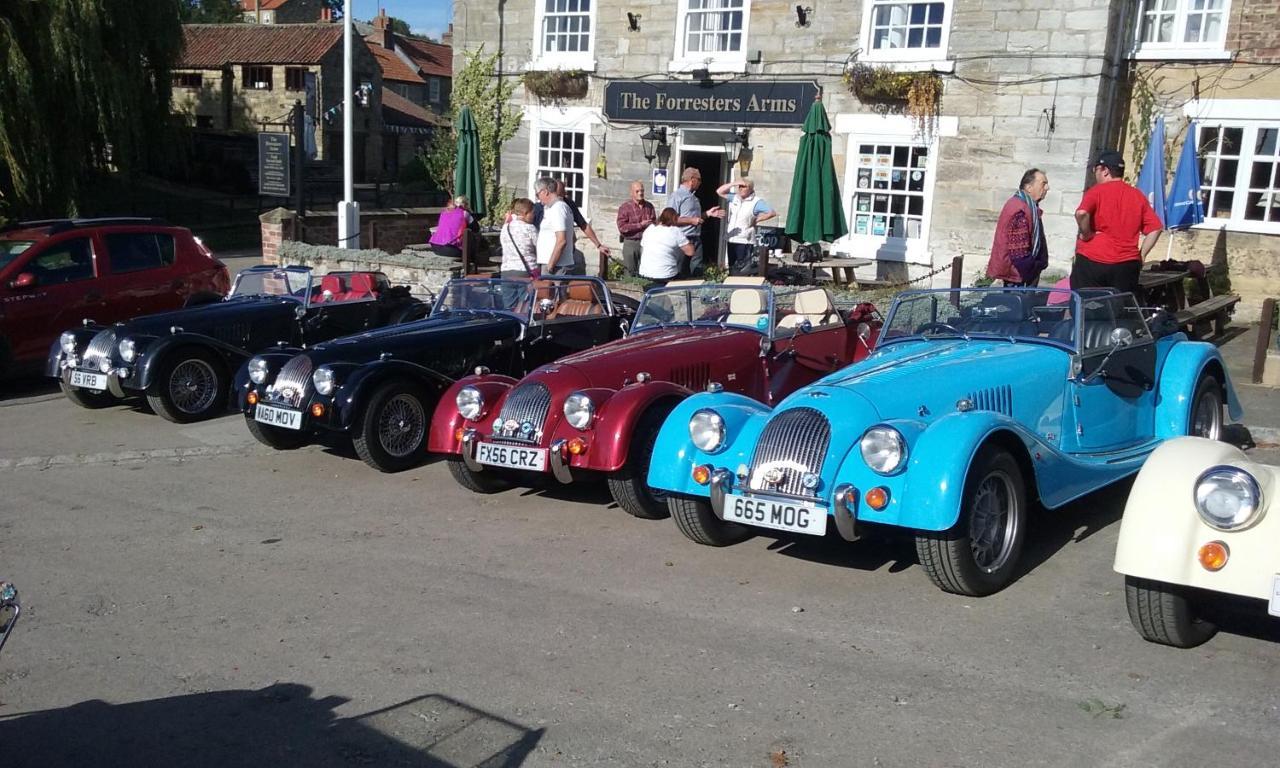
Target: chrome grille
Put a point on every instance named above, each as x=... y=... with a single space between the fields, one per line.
x=292 y=382
x=527 y=403
x=998 y=399
x=794 y=442
x=100 y=348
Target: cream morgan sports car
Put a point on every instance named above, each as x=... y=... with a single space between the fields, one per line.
x=1197 y=527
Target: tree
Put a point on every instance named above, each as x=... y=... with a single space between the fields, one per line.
x=211 y=11
x=399 y=26
x=476 y=85
x=85 y=85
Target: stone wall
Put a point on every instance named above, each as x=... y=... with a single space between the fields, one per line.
x=389 y=231
x=424 y=274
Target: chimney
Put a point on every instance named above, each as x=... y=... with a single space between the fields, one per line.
x=326 y=15
x=447 y=37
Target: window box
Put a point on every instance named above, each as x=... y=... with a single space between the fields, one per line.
x=556 y=84
x=918 y=94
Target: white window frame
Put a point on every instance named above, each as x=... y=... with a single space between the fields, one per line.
x=1180 y=51
x=861 y=128
x=1249 y=115
x=584 y=120
x=545 y=60
x=908 y=58
x=725 y=62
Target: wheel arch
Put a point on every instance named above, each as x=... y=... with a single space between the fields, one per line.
x=160 y=351
x=615 y=426
x=366 y=380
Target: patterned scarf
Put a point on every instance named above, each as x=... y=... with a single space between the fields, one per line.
x=1034 y=212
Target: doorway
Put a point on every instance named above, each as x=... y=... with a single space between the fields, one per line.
x=711 y=165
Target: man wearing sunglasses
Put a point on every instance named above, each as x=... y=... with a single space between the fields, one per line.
x=1117 y=228
x=746 y=210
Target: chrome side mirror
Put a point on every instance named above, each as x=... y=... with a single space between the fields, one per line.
x=1121 y=337
x=545 y=306
x=299 y=311
x=805 y=326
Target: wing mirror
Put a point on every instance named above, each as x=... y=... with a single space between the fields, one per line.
x=805 y=326
x=545 y=306
x=23 y=280
x=1121 y=337
x=300 y=312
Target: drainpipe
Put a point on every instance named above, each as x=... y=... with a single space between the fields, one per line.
x=497 y=144
x=1119 y=62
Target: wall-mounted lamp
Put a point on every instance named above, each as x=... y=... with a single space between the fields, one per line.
x=745 y=156
x=655 y=146
x=803 y=12
x=737 y=148
x=633 y=21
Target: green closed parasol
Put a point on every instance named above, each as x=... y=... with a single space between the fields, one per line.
x=815 y=212
x=467 y=179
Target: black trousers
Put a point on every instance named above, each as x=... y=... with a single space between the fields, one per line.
x=1087 y=273
x=452 y=251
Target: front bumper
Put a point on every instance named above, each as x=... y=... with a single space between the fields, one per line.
x=557 y=456
x=329 y=420
x=843 y=513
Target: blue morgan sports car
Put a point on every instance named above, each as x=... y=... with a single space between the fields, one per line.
x=975 y=404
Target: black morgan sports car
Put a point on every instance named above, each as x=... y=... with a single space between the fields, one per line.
x=183 y=361
x=381 y=386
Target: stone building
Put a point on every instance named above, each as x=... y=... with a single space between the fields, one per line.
x=1024 y=84
x=1213 y=63
x=284 y=11
x=243 y=78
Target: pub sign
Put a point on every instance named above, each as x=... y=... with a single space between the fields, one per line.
x=742 y=103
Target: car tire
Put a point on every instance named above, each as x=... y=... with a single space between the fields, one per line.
x=695 y=520
x=1163 y=613
x=390 y=434
x=629 y=486
x=275 y=437
x=86 y=398
x=190 y=385
x=476 y=482
x=979 y=554
x=1205 y=417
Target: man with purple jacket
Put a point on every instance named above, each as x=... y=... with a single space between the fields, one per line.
x=1019 y=252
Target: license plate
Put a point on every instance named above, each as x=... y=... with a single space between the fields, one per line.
x=1273 y=607
x=86 y=380
x=278 y=417
x=779 y=514
x=512 y=457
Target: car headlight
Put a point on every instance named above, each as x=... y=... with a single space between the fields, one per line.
x=324 y=380
x=470 y=402
x=883 y=449
x=706 y=430
x=128 y=350
x=579 y=410
x=68 y=342
x=1228 y=498
x=258 y=370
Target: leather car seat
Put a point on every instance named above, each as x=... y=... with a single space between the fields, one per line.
x=331 y=289
x=746 y=307
x=580 y=301
x=814 y=306
x=362 y=286
x=1002 y=314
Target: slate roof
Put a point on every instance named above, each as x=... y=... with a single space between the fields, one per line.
x=210 y=46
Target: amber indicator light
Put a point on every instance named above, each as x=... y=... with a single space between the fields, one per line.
x=878 y=498
x=702 y=474
x=1213 y=556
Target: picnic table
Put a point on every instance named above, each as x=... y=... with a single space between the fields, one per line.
x=836 y=264
x=1165 y=287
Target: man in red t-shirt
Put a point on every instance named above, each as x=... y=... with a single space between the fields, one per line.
x=1111 y=217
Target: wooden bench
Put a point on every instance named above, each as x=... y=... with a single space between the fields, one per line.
x=1217 y=309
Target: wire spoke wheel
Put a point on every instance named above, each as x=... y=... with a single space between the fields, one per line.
x=993 y=524
x=401 y=425
x=193 y=386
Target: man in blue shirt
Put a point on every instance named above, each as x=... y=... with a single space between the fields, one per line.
x=690 y=217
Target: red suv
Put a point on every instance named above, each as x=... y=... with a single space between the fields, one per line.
x=55 y=273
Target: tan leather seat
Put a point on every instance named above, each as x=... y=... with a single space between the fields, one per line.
x=743 y=280
x=746 y=307
x=814 y=306
x=579 y=301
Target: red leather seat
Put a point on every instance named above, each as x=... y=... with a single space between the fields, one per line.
x=331 y=289
x=363 y=286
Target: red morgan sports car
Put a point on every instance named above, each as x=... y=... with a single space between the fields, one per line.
x=597 y=413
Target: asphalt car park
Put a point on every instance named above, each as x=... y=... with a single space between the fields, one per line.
x=191 y=597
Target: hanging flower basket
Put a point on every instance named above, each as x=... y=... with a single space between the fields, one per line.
x=918 y=94
x=556 y=84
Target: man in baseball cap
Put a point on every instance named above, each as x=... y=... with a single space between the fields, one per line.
x=1117 y=228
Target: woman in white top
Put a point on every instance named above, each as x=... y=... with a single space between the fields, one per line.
x=519 y=241
x=661 y=246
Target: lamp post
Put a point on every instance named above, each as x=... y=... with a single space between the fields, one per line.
x=348 y=209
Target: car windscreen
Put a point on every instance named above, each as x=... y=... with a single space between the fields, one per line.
x=289 y=283
x=1029 y=314
x=12 y=249
x=514 y=296
x=710 y=304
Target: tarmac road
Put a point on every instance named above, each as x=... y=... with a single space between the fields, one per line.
x=195 y=599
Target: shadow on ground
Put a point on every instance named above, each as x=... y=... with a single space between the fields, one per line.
x=278 y=725
x=21 y=388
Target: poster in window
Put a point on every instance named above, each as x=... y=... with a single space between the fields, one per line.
x=921 y=160
x=864 y=203
x=913 y=229
x=860 y=226
x=866 y=161
x=864 y=178
x=878 y=226
x=884 y=161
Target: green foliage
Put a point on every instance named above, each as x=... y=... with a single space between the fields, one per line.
x=399 y=26
x=614 y=270
x=556 y=84
x=920 y=93
x=84 y=85
x=476 y=85
x=210 y=11
x=714 y=274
